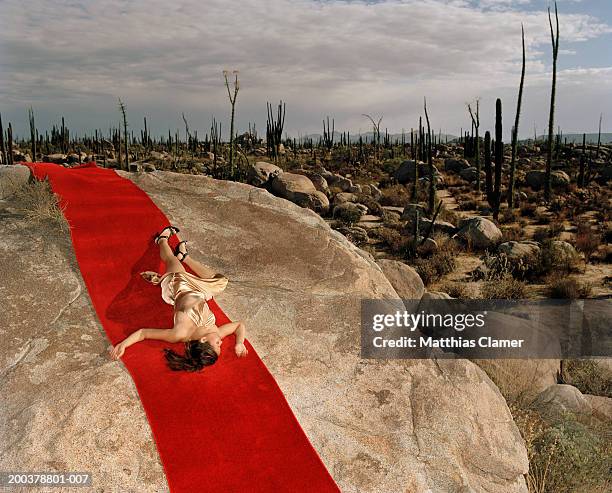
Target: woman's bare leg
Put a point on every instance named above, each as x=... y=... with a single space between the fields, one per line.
x=172 y=263
x=200 y=269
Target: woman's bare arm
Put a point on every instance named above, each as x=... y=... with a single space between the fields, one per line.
x=175 y=334
x=239 y=328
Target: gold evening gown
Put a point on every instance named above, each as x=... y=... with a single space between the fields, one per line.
x=189 y=293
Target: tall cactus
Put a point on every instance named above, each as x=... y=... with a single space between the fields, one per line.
x=328 y=136
x=232 y=99
x=515 y=130
x=551 y=119
x=432 y=185
x=125 y=135
x=499 y=158
x=487 y=166
x=2 y=146
x=582 y=162
x=9 y=138
x=274 y=129
x=476 y=125
x=32 y=132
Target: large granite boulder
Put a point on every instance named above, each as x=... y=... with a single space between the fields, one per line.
x=300 y=190
x=12 y=177
x=537 y=178
x=470 y=174
x=405 y=172
x=404 y=279
x=480 y=232
x=379 y=426
x=456 y=165
x=259 y=172
x=561 y=398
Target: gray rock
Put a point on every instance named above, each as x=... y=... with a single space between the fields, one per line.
x=404 y=279
x=519 y=249
x=259 y=172
x=480 y=232
x=344 y=184
x=300 y=190
x=560 y=398
x=469 y=174
x=602 y=407
x=320 y=183
x=375 y=191
x=342 y=197
x=536 y=179
x=12 y=176
x=55 y=158
x=405 y=172
x=456 y=165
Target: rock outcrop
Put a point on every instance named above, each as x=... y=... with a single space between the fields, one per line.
x=480 y=232
x=379 y=426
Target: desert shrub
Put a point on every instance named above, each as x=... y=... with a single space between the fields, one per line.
x=395 y=195
x=568 y=288
x=505 y=288
x=608 y=234
x=555 y=259
x=528 y=209
x=587 y=241
x=466 y=203
x=512 y=233
x=437 y=265
x=542 y=217
x=446 y=243
x=500 y=265
x=508 y=216
x=396 y=242
x=347 y=216
x=587 y=377
x=568 y=457
x=39 y=204
x=389 y=218
x=459 y=290
x=449 y=216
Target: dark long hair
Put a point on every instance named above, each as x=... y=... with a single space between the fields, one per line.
x=197 y=356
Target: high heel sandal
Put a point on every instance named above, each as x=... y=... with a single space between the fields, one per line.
x=177 y=252
x=160 y=235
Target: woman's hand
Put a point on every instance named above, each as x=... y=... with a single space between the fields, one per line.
x=117 y=351
x=241 y=350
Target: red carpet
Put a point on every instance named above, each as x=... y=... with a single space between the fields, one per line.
x=227 y=429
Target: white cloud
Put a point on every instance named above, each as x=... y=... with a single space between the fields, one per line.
x=338 y=58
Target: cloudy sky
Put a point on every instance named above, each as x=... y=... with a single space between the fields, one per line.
x=323 y=57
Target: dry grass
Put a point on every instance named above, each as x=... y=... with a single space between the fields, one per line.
x=513 y=232
x=39 y=204
x=587 y=241
x=568 y=288
x=586 y=376
x=396 y=195
x=459 y=290
x=505 y=288
x=440 y=263
x=395 y=241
